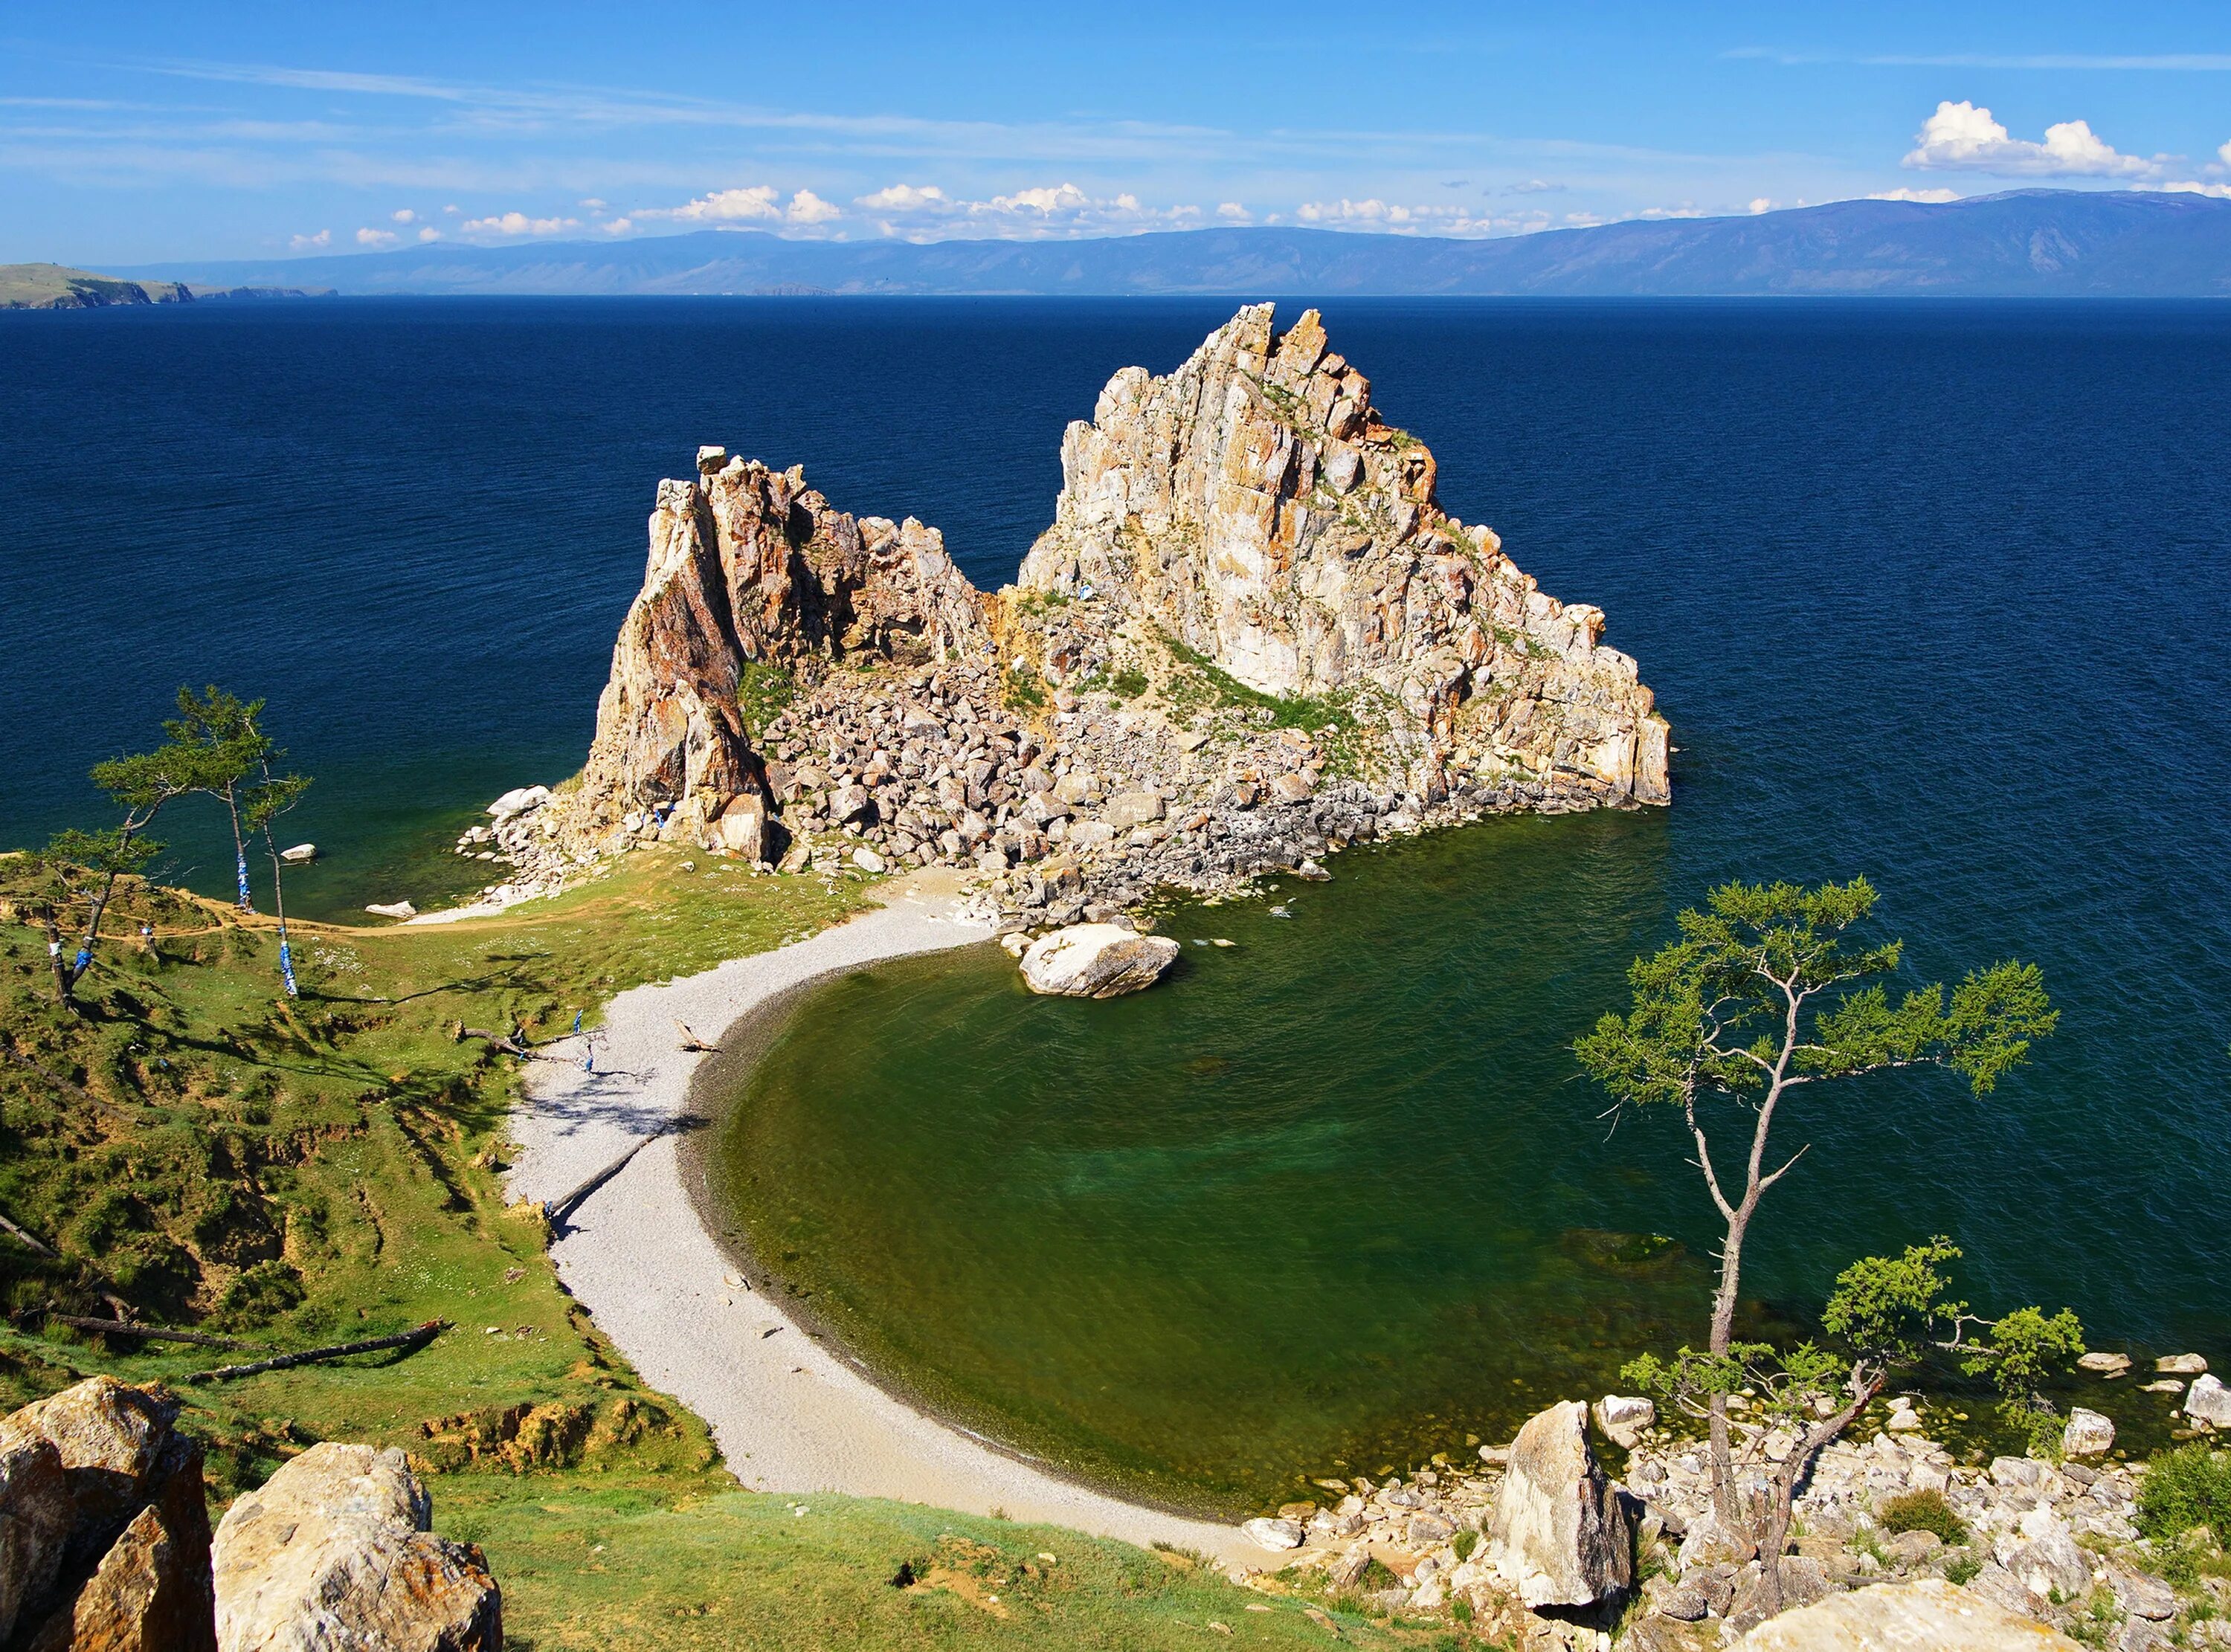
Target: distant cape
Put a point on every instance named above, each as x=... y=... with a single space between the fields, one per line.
x=2042 y=243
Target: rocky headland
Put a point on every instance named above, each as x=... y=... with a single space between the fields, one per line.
x=1251 y=636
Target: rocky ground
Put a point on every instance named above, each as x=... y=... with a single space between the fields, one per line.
x=2054 y=1544
x=1073 y=804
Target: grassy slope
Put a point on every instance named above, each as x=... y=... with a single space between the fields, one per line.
x=306 y=1173
x=36 y=286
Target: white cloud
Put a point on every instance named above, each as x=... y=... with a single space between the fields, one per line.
x=518 y=223
x=1232 y=211
x=451 y=211
x=901 y=197
x=430 y=232
x=591 y=203
x=1534 y=186
x=1928 y=198
x=404 y=216
x=377 y=237
x=618 y=226
x=1960 y=136
x=724 y=206
x=1761 y=204
x=2194 y=186
x=806 y=207
x=305 y=243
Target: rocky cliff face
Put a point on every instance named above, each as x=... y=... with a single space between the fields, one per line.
x=1254 y=506
x=1249 y=635
x=752 y=570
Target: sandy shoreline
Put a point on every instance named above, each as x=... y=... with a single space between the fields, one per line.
x=789 y=1415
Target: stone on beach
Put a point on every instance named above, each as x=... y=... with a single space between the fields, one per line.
x=393 y=909
x=1096 y=961
x=518 y=800
x=1558 y=1536
x=1273 y=1533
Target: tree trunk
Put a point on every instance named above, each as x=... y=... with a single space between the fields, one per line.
x=279 y=906
x=239 y=846
x=63 y=982
x=1785 y=1487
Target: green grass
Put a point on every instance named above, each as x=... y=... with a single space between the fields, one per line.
x=2188 y=1487
x=328 y=1168
x=1923 y=1511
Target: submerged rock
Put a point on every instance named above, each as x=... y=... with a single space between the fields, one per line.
x=2088 y=1434
x=1096 y=961
x=1558 y=1536
x=2208 y=1401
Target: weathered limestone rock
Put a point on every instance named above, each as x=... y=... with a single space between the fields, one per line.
x=1558 y=1536
x=1273 y=1533
x=1254 y=505
x=2103 y=1361
x=37 y=1512
x=150 y=1592
x=2208 y=1401
x=1931 y=1616
x=2184 y=1364
x=333 y=1553
x=2043 y=1556
x=1096 y=961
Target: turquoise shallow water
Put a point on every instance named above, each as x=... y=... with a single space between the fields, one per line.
x=1940 y=593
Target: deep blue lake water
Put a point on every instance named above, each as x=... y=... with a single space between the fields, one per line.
x=1939 y=593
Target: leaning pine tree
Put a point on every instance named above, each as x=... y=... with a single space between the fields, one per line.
x=1761 y=996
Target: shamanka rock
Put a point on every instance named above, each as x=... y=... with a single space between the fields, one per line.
x=333 y=1553
x=1558 y=1536
x=1931 y=1616
x=792 y=678
x=1096 y=961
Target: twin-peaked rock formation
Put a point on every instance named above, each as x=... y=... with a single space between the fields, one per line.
x=1251 y=511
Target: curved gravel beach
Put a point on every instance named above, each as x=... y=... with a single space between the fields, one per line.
x=789 y=1415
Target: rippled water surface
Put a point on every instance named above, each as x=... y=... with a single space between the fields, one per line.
x=1936 y=593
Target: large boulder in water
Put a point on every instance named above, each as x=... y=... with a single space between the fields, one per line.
x=1558 y=1536
x=334 y=1551
x=1096 y=961
x=1931 y=1616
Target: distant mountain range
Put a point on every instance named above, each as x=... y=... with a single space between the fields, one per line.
x=2057 y=243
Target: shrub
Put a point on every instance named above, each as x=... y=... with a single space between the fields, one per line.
x=2189 y=1487
x=1923 y=1511
x=1961 y=1570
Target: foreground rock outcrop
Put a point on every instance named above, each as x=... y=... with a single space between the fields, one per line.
x=334 y=1552
x=104 y=1526
x=1249 y=637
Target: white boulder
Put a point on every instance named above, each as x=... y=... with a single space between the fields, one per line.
x=518 y=800
x=2088 y=1434
x=2184 y=1365
x=1273 y=1533
x=2208 y=1401
x=393 y=909
x=298 y=854
x=1096 y=961
x=1624 y=1416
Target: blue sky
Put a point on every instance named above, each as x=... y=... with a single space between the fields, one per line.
x=134 y=133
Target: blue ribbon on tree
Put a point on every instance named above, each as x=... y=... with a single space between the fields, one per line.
x=247 y=902
x=287 y=968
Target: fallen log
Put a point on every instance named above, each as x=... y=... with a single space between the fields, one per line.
x=424 y=1334
x=77 y=1090
x=156 y=1332
x=693 y=1043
